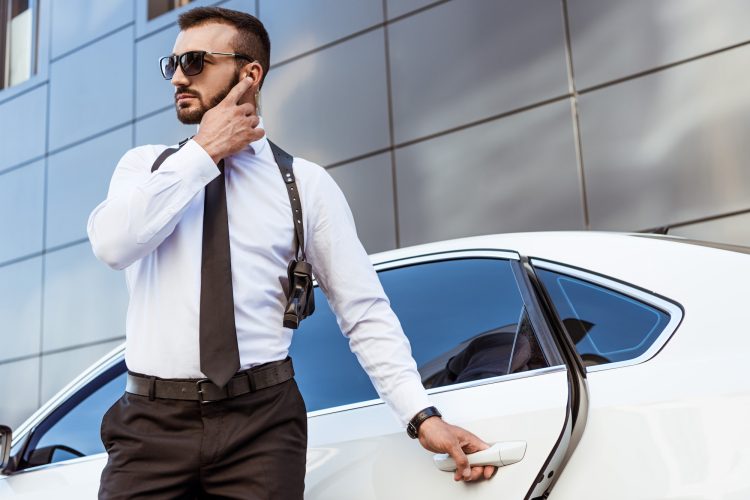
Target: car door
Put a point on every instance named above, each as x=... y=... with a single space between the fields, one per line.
x=62 y=455
x=489 y=360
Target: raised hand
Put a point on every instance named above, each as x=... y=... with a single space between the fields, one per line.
x=229 y=126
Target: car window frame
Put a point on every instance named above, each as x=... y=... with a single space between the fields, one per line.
x=539 y=323
x=672 y=308
x=60 y=405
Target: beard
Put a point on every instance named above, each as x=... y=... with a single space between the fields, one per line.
x=190 y=116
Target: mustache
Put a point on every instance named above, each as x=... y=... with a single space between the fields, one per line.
x=186 y=90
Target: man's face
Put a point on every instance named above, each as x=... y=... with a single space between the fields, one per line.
x=194 y=95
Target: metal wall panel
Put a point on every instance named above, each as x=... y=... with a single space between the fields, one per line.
x=20 y=389
x=71 y=29
x=78 y=180
x=84 y=300
x=22 y=127
x=20 y=308
x=21 y=211
x=670 y=146
x=733 y=230
x=518 y=173
x=612 y=39
x=241 y=5
x=469 y=59
x=61 y=368
x=296 y=27
x=91 y=89
x=400 y=7
x=152 y=91
x=145 y=26
x=332 y=105
x=162 y=128
x=368 y=187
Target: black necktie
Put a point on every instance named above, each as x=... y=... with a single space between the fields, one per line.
x=220 y=357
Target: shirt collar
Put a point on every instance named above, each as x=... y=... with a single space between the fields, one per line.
x=254 y=147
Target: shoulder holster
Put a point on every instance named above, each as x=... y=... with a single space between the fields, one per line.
x=299 y=295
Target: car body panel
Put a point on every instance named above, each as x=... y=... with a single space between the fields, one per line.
x=349 y=452
x=70 y=480
x=672 y=425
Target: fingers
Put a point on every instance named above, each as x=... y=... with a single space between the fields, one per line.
x=463 y=471
x=476 y=473
x=489 y=471
x=471 y=443
x=247 y=109
x=238 y=91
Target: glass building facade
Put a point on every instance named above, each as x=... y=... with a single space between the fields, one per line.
x=438 y=119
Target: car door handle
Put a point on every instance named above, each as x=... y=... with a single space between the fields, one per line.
x=499 y=455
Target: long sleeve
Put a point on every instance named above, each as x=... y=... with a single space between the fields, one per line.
x=363 y=311
x=143 y=208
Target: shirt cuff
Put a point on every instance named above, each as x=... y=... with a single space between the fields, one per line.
x=408 y=400
x=201 y=166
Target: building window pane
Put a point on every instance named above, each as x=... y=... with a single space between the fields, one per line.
x=159 y=7
x=17 y=41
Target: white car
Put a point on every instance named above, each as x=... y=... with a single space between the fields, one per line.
x=598 y=365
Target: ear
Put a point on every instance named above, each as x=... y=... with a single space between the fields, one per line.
x=255 y=71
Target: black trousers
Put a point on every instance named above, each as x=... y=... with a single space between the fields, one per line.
x=253 y=446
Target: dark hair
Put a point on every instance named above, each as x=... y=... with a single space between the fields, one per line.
x=252 y=39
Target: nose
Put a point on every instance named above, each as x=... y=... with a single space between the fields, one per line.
x=179 y=79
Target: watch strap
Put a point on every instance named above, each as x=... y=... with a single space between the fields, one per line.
x=413 y=428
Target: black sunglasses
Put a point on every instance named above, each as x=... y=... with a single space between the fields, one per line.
x=191 y=62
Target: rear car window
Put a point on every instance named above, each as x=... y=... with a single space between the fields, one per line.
x=607 y=326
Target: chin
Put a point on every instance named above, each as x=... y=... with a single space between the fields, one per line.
x=189 y=116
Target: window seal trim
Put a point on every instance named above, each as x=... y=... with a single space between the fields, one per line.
x=446 y=255
x=535 y=310
x=440 y=390
x=675 y=311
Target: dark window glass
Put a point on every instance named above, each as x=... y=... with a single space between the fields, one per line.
x=159 y=7
x=605 y=325
x=73 y=430
x=18 y=37
x=464 y=318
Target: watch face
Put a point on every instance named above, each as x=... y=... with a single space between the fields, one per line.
x=411 y=431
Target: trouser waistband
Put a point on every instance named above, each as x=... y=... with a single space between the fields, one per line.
x=250 y=380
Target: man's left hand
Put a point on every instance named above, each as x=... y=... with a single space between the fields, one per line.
x=441 y=437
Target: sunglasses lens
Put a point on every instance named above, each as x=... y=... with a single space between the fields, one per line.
x=192 y=63
x=168 y=67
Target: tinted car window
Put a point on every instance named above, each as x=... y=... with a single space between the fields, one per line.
x=606 y=325
x=72 y=430
x=465 y=320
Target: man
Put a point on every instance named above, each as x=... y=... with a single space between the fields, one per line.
x=208 y=305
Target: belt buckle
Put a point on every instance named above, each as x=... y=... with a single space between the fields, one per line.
x=200 y=390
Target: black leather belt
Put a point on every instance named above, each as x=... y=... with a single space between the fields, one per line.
x=250 y=380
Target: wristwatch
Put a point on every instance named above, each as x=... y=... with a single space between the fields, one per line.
x=413 y=428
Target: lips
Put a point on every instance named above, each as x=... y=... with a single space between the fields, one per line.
x=180 y=97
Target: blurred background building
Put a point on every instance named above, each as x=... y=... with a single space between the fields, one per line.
x=438 y=119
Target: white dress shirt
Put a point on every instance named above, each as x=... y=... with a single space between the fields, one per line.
x=151 y=225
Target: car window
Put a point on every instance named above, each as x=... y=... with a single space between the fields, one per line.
x=606 y=325
x=465 y=320
x=72 y=430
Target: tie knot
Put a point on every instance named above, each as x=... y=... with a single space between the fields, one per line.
x=221 y=166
